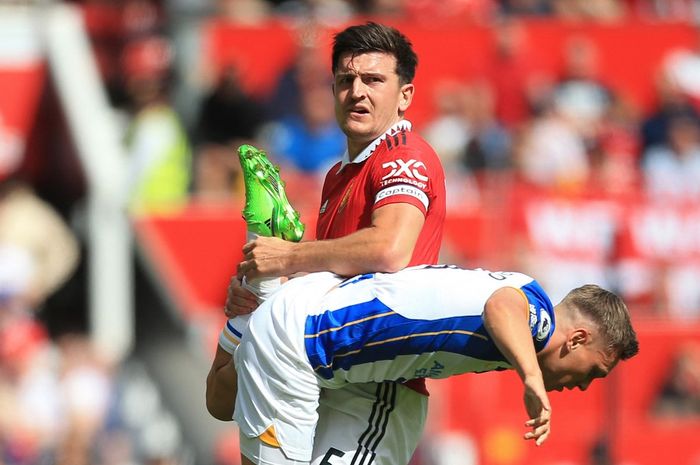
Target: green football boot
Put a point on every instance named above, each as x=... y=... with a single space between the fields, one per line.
x=267 y=210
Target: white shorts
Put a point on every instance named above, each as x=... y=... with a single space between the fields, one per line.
x=277 y=388
x=363 y=424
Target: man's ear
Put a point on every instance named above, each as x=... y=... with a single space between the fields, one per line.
x=406 y=97
x=577 y=338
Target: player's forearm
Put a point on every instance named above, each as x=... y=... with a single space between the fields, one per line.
x=222 y=386
x=367 y=250
x=506 y=321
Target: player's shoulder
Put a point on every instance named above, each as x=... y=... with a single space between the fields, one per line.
x=406 y=141
x=408 y=149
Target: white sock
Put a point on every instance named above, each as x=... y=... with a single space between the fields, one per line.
x=261 y=287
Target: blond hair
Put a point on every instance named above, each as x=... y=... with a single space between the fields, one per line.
x=606 y=310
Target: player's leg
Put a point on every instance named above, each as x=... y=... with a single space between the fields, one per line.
x=267 y=211
x=363 y=424
x=277 y=401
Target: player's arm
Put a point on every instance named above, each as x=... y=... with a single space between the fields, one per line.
x=386 y=246
x=222 y=386
x=506 y=320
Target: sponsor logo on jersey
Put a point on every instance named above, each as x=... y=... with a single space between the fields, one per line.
x=432 y=372
x=533 y=316
x=420 y=185
x=545 y=325
x=410 y=169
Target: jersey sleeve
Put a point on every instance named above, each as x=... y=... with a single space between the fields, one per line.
x=230 y=336
x=541 y=314
x=406 y=174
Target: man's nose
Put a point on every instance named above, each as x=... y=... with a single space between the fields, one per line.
x=358 y=88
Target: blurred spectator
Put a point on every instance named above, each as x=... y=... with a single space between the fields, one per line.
x=682 y=66
x=490 y=145
x=328 y=12
x=382 y=8
x=449 y=132
x=551 y=153
x=11 y=149
x=85 y=392
x=673 y=169
x=580 y=96
x=157 y=143
x=597 y=10
x=217 y=174
x=681 y=292
x=31 y=419
x=672 y=103
x=228 y=117
x=244 y=11
x=465 y=132
x=111 y=25
x=526 y=7
x=227 y=113
x=614 y=158
x=311 y=141
x=512 y=73
x=309 y=70
x=680 y=394
x=670 y=10
x=41 y=265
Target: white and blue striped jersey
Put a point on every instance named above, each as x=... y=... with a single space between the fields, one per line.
x=420 y=322
x=321 y=331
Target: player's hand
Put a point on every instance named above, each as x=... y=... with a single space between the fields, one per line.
x=538 y=409
x=239 y=300
x=267 y=257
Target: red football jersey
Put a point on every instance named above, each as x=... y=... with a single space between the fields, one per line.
x=399 y=167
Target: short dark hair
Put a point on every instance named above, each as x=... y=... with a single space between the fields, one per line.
x=607 y=310
x=373 y=37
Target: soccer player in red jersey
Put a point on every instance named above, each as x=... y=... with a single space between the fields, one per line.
x=382 y=209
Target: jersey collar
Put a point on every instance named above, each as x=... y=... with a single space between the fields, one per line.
x=403 y=125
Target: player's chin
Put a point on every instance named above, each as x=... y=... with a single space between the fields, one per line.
x=356 y=130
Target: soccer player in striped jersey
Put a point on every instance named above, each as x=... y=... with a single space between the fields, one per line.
x=325 y=332
x=382 y=209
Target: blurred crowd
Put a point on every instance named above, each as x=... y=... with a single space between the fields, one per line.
x=569 y=133
x=61 y=402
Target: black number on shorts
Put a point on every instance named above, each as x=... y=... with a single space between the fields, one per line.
x=331 y=452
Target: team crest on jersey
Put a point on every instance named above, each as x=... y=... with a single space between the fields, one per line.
x=545 y=325
x=346 y=197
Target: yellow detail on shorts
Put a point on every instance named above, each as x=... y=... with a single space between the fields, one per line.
x=269 y=437
x=401 y=338
x=350 y=323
